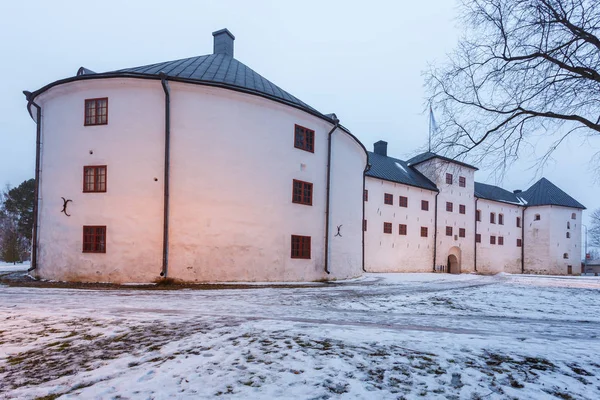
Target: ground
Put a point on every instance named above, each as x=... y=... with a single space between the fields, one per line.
x=385 y=336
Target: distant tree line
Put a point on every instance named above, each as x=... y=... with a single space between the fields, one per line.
x=16 y=221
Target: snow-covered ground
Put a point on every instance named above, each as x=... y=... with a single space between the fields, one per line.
x=385 y=336
x=10 y=267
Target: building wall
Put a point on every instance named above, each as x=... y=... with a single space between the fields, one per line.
x=232 y=165
x=495 y=258
x=393 y=252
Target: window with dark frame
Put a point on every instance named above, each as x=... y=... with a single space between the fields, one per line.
x=388 y=199
x=501 y=240
x=302 y=192
x=500 y=219
x=478 y=215
x=462 y=181
x=94 y=239
x=462 y=209
x=402 y=229
x=424 y=231
x=573 y=216
x=448 y=231
x=94 y=178
x=449 y=206
x=568 y=225
x=387 y=227
x=96 y=111
x=478 y=238
x=364 y=225
x=403 y=201
x=519 y=243
x=566 y=256
x=492 y=239
x=424 y=205
x=568 y=235
x=462 y=232
x=537 y=217
x=449 y=179
x=518 y=222
x=301 y=247
x=304 y=138
x=366 y=195
x=492 y=218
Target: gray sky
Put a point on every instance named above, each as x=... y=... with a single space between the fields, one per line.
x=362 y=60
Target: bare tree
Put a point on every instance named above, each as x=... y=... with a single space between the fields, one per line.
x=525 y=69
x=594 y=231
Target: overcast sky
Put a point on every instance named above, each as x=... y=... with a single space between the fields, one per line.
x=362 y=60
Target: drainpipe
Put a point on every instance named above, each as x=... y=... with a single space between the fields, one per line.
x=367 y=168
x=335 y=126
x=475 y=252
x=165 y=259
x=36 y=193
x=435 y=218
x=523 y=240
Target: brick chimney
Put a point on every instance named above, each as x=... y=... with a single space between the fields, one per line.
x=380 y=148
x=223 y=42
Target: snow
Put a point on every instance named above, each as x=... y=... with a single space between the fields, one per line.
x=433 y=336
x=10 y=267
x=400 y=166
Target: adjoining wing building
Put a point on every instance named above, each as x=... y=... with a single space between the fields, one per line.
x=202 y=170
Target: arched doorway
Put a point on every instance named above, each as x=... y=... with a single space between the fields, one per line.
x=453 y=266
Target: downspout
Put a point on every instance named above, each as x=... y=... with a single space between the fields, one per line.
x=475 y=252
x=165 y=258
x=435 y=218
x=367 y=168
x=335 y=126
x=523 y=240
x=36 y=193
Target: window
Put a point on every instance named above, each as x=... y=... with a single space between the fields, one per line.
x=478 y=215
x=462 y=181
x=388 y=199
x=569 y=269
x=573 y=216
x=568 y=235
x=462 y=232
x=403 y=201
x=492 y=218
x=462 y=209
x=304 y=138
x=501 y=219
x=448 y=231
x=537 y=217
x=402 y=229
x=96 y=111
x=568 y=225
x=423 y=231
x=519 y=242
x=94 y=239
x=424 y=205
x=501 y=240
x=301 y=247
x=366 y=195
x=387 y=227
x=364 y=225
x=449 y=179
x=94 y=178
x=518 y=222
x=566 y=256
x=478 y=238
x=492 y=239
x=449 y=206
x=302 y=193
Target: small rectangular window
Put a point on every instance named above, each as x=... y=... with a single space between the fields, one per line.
x=366 y=195
x=573 y=216
x=388 y=199
x=94 y=239
x=449 y=179
x=387 y=227
x=568 y=235
x=500 y=219
x=518 y=222
x=492 y=239
x=478 y=215
x=462 y=209
x=448 y=231
x=424 y=205
x=449 y=206
x=403 y=201
x=424 y=231
x=492 y=218
x=364 y=225
x=519 y=243
x=304 y=138
x=536 y=217
x=301 y=247
x=501 y=240
x=302 y=192
x=462 y=181
x=94 y=178
x=478 y=238
x=462 y=232
x=402 y=229
x=96 y=111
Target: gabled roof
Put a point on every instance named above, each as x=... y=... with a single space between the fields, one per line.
x=491 y=192
x=395 y=170
x=544 y=193
x=421 y=158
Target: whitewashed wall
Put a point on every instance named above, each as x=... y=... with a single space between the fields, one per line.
x=394 y=252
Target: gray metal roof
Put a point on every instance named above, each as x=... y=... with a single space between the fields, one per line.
x=491 y=192
x=222 y=69
x=428 y=155
x=395 y=170
x=544 y=192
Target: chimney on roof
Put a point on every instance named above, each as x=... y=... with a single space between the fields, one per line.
x=380 y=148
x=517 y=191
x=223 y=42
